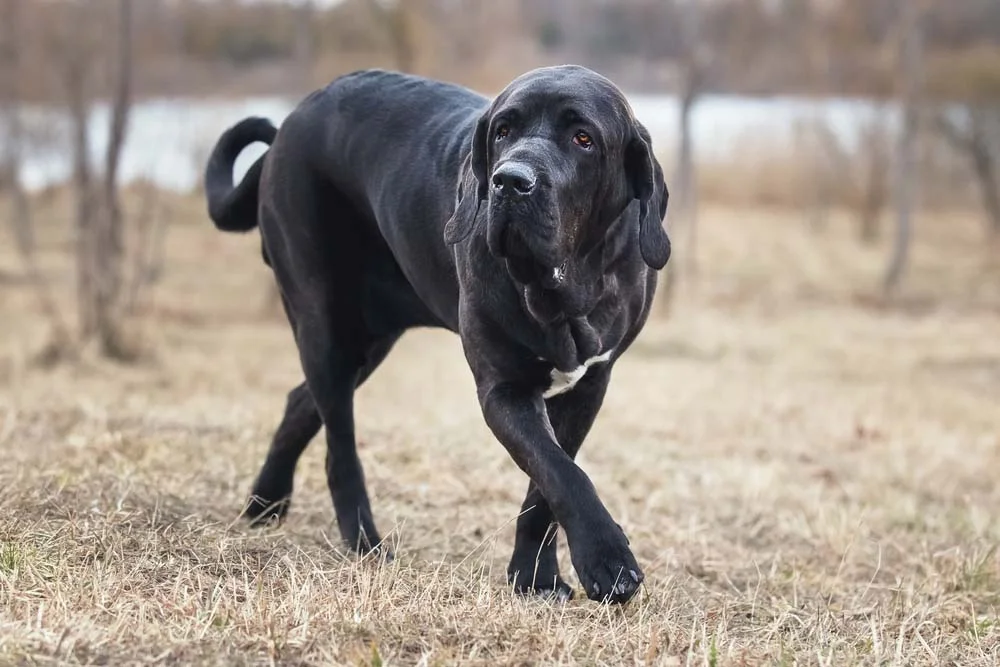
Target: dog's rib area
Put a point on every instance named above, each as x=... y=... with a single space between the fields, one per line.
x=563 y=382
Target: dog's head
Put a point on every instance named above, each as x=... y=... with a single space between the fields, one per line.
x=556 y=160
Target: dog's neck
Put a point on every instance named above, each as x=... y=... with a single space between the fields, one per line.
x=563 y=313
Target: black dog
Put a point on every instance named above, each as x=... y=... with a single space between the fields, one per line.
x=531 y=226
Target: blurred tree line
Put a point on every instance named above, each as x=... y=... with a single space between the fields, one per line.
x=758 y=46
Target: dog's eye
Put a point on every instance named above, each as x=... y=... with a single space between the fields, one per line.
x=502 y=132
x=583 y=140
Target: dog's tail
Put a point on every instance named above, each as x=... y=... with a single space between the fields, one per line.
x=233 y=208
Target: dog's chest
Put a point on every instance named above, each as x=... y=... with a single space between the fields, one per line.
x=563 y=381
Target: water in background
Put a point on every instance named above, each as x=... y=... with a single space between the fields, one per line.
x=169 y=139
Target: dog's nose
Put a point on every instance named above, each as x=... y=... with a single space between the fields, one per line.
x=514 y=179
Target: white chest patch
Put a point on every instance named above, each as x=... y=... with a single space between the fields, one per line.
x=563 y=382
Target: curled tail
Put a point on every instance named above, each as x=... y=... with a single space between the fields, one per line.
x=233 y=208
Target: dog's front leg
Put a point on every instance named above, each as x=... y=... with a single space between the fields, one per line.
x=534 y=566
x=600 y=552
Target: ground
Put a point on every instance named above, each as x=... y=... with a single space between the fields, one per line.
x=807 y=477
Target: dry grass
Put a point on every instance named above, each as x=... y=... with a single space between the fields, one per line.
x=806 y=480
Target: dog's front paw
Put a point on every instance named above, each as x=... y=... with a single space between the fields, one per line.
x=607 y=569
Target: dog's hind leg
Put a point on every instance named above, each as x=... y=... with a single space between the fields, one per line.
x=319 y=247
x=534 y=567
x=333 y=365
x=272 y=490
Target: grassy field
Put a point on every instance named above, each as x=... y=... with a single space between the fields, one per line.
x=806 y=477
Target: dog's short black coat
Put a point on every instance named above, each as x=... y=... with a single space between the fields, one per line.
x=531 y=225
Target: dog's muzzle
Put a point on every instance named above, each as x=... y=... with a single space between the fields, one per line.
x=523 y=225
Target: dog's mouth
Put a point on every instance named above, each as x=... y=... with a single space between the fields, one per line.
x=531 y=259
x=523 y=263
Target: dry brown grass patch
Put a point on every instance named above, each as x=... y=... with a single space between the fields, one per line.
x=805 y=481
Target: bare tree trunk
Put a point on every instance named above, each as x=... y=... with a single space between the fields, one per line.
x=402 y=39
x=305 y=47
x=686 y=172
x=397 y=21
x=12 y=150
x=989 y=186
x=875 y=193
x=911 y=52
x=158 y=245
x=99 y=219
x=694 y=71
x=830 y=161
x=20 y=219
x=305 y=43
x=79 y=111
x=685 y=187
x=984 y=167
x=975 y=143
x=109 y=251
x=147 y=250
x=685 y=197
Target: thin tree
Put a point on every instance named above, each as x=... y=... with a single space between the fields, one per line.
x=99 y=217
x=77 y=50
x=910 y=74
x=397 y=20
x=12 y=150
x=305 y=41
x=693 y=75
x=876 y=153
x=976 y=139
x=109 y=248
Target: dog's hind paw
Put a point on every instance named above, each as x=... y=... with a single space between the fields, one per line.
x=381 y=552
x=261 y=513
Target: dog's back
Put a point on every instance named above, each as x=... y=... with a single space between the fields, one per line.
x=362 y=133
x=366 y=131
x=383 y=151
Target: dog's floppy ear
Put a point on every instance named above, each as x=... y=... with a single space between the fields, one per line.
x=472 y=186
x=646 y=180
